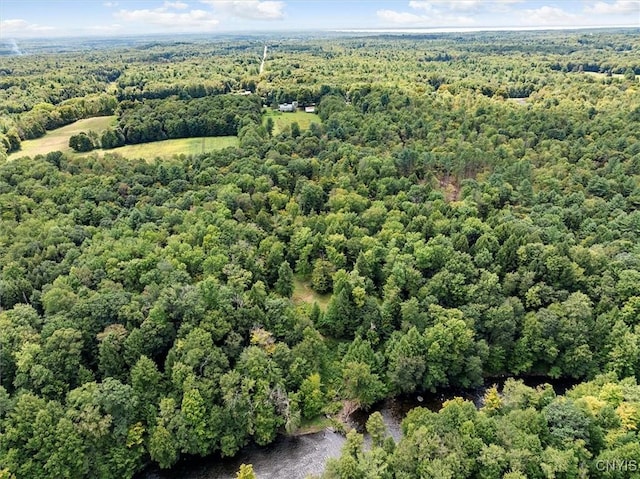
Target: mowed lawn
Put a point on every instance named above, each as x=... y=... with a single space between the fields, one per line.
x=168 y=148
x=58 y=140
x=281 y=120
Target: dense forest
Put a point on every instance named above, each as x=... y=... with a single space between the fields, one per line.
x=520 y=433
x=466 y=209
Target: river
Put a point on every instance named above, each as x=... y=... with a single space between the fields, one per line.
x=285 y=458
x=297 y=457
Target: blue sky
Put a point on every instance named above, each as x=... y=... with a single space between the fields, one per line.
x=46 y=18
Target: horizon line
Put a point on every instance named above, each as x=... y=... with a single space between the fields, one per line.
x=484 y=29
x=380 y=30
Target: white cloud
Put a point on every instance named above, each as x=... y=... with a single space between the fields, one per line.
x=433 y=18
x=453 y=5
x=193 y=19
x=405 y=18
x=615 y=8
x=466 y=13
x=547 y=15
x=249 y=9
x=22 y=27
x=462 y=5
x=502 y=6
x=446 y=13
x=110 y=4
x=177 y=5
x=434 y=13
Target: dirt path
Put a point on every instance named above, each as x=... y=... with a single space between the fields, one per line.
x=264 y=57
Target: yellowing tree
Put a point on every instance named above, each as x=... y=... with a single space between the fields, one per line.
x=246 y=472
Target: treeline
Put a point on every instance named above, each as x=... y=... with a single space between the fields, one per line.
x=597 y=68
x=138 y=122
x=154 y=120
x=520 y=432
x=131 y=89
x=46 y=116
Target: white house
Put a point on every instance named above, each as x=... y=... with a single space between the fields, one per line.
x=290 y=107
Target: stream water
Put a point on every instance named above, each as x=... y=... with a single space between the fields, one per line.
x=299 y=456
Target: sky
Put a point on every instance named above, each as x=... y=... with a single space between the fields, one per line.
x=56 y=18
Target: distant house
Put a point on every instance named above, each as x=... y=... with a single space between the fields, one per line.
x=309 y=109
x=288 y=107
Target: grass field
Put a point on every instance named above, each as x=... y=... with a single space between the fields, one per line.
x=302 y=293
x=283 y=120
x=58 y=140
x=168 y=148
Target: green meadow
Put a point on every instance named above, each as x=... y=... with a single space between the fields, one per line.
x=282 y=120
x=58 y=140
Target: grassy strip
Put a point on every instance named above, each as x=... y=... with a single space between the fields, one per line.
x=179 y=146
x=58 y=139
x=281 y=121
